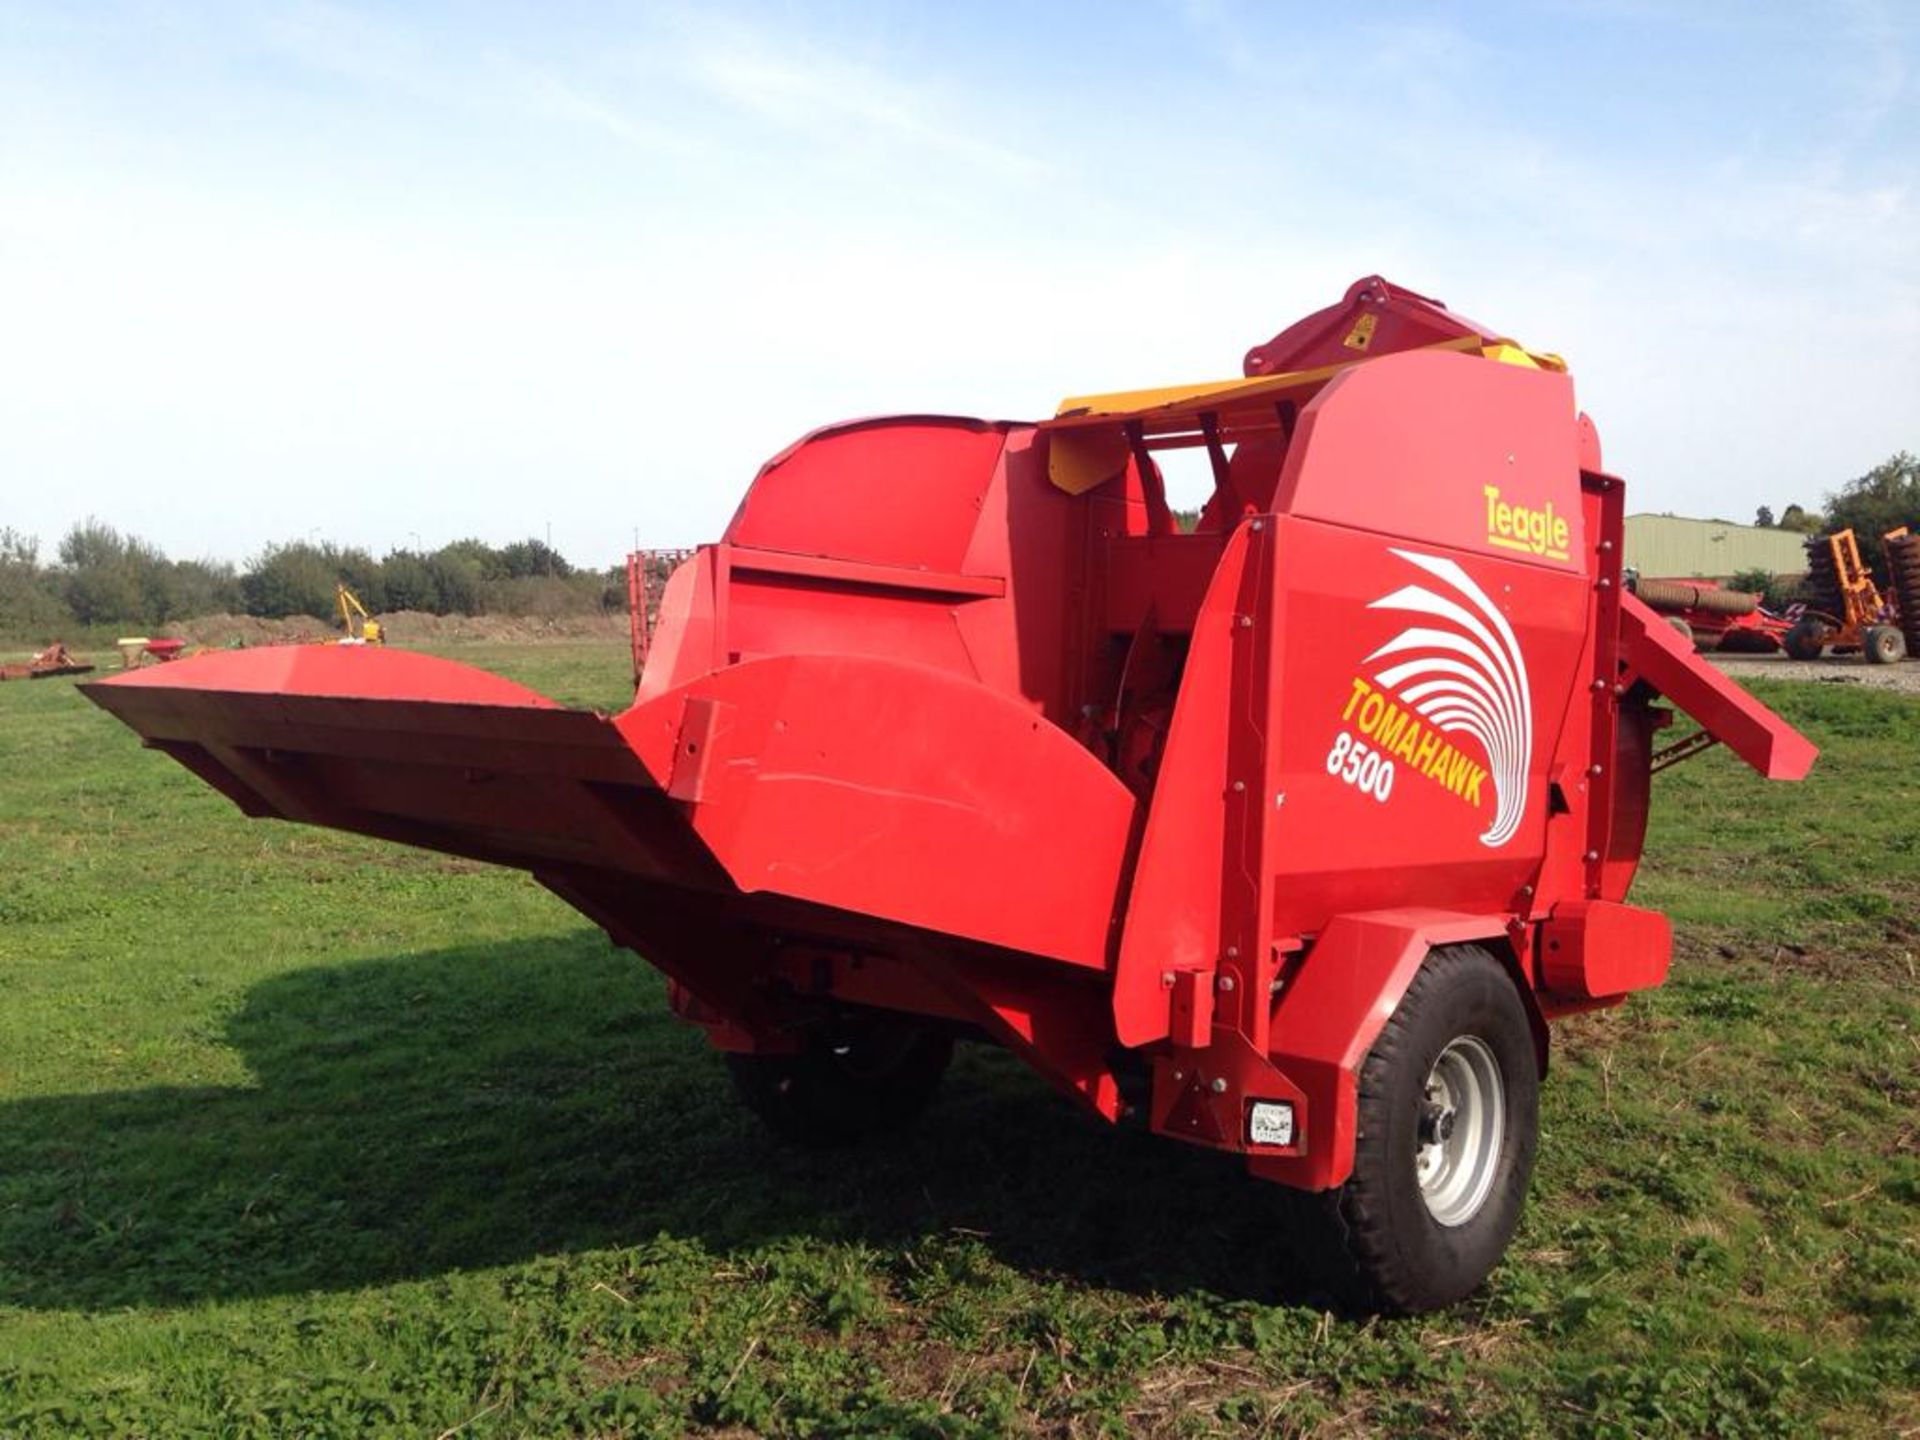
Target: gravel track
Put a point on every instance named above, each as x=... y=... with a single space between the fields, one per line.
x=1834 y=670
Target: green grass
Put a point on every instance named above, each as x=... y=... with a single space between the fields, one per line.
x=302 y=1134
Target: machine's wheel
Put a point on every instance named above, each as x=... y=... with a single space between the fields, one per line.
x=1681 y=627
x=860 y=1079
x=1806 y=641
x=1884 y=645
x=1448 y=1124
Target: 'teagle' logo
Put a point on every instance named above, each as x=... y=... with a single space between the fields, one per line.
x=1467 y=678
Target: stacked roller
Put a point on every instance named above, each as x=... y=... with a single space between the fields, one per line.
x=1903 y=560
x=1823 y=578
x=1684 y=595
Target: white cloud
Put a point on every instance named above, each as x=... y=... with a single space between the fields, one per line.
x=597 y=285
x=799 y=86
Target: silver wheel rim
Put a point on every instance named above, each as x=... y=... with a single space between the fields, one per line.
x=1461 y=1131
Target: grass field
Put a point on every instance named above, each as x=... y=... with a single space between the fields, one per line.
x=307 y=1135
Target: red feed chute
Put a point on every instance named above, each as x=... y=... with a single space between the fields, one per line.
x=953 y=732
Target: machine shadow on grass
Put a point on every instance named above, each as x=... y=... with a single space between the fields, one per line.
x=484 y=1105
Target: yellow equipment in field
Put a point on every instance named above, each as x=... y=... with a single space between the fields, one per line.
x=366 y=631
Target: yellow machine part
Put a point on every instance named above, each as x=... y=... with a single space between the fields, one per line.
x=367 y=632
x=1088 y=444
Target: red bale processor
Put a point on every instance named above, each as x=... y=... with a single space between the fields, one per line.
x=1287 y=836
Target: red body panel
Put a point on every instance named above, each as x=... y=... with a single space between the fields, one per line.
x=1485 y=458
x=1595 y=949
x=924 y=732
x=1329 y=1017
x=898 y=792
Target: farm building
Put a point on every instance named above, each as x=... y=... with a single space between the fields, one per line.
x=1709 y=549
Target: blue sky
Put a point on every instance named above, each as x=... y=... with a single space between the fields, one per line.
x=399 y=272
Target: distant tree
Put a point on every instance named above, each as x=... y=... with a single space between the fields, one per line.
x=1886 y=496
x=99 y=595
x=92 y=545
x=458 y=570
x=295 y=579
x=17 y=549
x=107 y=576
x=301 y=579
x=100 y=579
x=360 y=572
x=408 y=580
x=202 y=587
x=104 y=576
x=1763 y=517
x=613 y=588
x=481 y=557
x=1883 y=499
x=30 y=606
x=1774 y=593
x=152 y=576
x=524 y=559
x=1795 y=517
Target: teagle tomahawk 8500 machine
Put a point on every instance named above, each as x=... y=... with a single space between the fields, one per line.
x=1288 y=836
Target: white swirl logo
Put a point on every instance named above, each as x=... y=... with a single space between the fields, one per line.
x=1467 y=678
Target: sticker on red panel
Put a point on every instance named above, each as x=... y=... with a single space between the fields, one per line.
x=1445 y=702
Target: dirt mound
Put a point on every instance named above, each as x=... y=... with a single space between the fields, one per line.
x=402 y=627
x=409 y=627
x=221 y=631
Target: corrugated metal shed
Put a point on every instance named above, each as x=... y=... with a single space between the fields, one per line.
x=1710 y=549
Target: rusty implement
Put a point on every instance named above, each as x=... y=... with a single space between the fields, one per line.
x=1288 y=836
x=56 y=659
x=1714 y=617
x=647 y=574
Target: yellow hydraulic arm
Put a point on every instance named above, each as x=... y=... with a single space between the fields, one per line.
x=367 y=630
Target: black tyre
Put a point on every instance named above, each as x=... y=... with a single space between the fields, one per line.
x=862 y=1078
x=1806 y=640
x=1884 y=645
x=1448 y=1125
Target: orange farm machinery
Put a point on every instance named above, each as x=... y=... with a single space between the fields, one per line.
x=1846 y=612
x=1288 y=836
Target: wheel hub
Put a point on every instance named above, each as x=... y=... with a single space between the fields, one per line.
x=1461 y=1131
